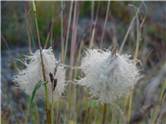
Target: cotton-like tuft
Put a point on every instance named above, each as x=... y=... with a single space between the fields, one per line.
x=28 y=77
x=108 y=77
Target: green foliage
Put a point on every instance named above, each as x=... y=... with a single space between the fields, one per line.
x=37 y=86
x=32 y=106
x=93 y=103
x=85 y=8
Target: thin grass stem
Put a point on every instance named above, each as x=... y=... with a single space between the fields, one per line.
x=48 y=120
x=105 y=22
x=104 y=113
x=94 y=29
x=68 y=30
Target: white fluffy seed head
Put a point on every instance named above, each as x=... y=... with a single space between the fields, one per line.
x=108 y=76
x=28 y=77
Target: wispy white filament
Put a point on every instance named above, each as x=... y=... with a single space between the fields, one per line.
x=108 y=76
x=32 y=74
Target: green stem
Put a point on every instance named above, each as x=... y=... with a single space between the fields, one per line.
x=68 y=30
x=130 y=105
x=48 y=111
x=104 y=113
x=52 y=109
x=47 y=108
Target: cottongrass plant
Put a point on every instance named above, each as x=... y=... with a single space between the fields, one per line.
x=108 y=76
x=32 y=74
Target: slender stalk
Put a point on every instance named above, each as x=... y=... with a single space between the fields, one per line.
x=162 y=94
x=129 y=29
x=104 y=113
x=88 y=116
x=52 y=108
x=105 y=22
x=92 y=10
x=126 y=35
x=49 y=34
x=92 y=15
x=62 y=39
x=37 y=119
x=72 y=62
x=135 y=59
x=137 y=40
x=130 y=105
x=68 y=29
x=28 y=30
x=47 y=108
x=94 y=29
x=74 y=34
x=48 y=120
x=75 y=74
x=36 y=24
x=27 y=113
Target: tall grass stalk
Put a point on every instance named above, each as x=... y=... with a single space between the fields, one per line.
x=130 y=98
x=104 y=113
x=62 y=36
x=129 y=29
x=72 y=90
x=138 y=39
x=102 y=38
x=28 y=29
x=49 y=34
x=48 y=114
x=94 y=28
x=52 y=108
x=92 y=14
x=162 y=94
x=76 y=73
x=92 y=10
x=68 y=30
x=105 y=22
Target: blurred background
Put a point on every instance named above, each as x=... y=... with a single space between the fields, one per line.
x=91 y=24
